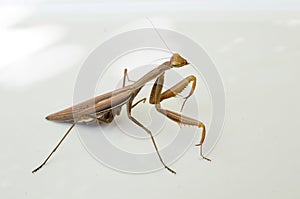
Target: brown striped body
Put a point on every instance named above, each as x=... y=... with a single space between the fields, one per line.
x=109 y=104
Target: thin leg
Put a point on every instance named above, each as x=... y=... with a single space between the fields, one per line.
x=149 y=132
x=69 y=130
x=141 y=100
x=179 y=118
x=126 y=76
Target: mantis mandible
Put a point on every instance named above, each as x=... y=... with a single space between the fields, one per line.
x=104 y=108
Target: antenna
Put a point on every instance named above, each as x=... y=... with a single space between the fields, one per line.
x=159 y=35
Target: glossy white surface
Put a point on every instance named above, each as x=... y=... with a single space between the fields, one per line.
x=255 y=48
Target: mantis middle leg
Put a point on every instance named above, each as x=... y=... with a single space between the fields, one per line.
x=129 y=107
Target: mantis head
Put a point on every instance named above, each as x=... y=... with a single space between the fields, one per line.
x=177 y=61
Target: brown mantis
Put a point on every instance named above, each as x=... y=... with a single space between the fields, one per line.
x=104 y=108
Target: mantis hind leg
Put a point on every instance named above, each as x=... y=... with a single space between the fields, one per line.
x=59 y=143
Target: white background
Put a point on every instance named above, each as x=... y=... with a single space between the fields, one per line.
x=255 y=47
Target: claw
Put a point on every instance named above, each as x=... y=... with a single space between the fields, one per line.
x=201 y=155
x=172 y=171
x=205 y=158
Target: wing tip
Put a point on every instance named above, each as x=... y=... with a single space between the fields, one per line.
x=51 y=117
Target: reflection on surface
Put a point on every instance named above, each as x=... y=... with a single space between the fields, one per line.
x=30 y=51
